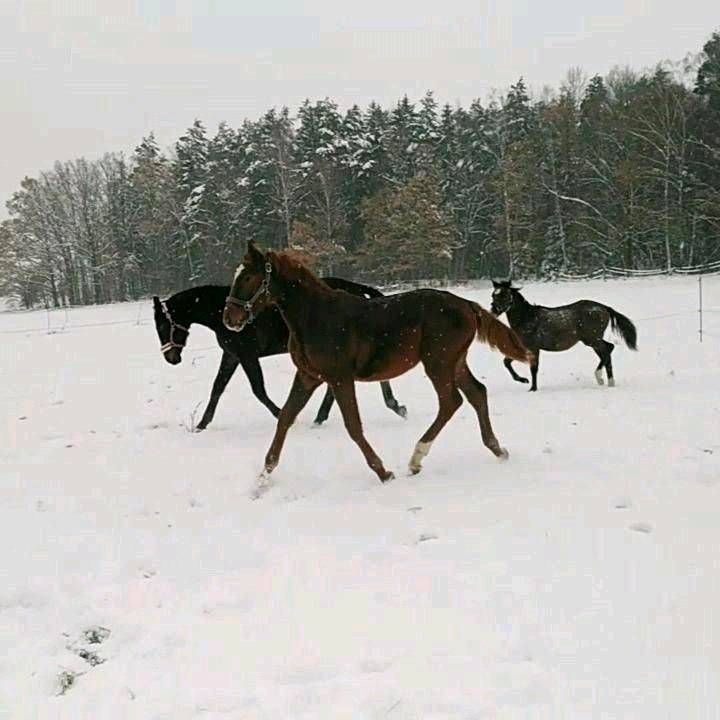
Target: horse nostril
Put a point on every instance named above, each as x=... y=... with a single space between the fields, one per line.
x=227 y=319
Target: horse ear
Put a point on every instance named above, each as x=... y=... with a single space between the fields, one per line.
x=254 y=257
x=156 y=302
x=496 y=284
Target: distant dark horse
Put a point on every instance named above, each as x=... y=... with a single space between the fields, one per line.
x=339 y=338
x=267 y=335
x=559 y=328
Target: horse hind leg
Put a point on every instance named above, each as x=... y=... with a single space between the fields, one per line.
x=517 y=378
x=476 y=394
x=449 y=400
x=324 y=409
x=534 y=363
x=609 y=347
x=604 y=350
x=599 y=368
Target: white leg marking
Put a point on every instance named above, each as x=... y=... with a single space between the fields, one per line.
x=599 y=377
x=421 y=450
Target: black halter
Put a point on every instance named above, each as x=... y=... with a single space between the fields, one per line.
x=170 y=344
x=247 y=305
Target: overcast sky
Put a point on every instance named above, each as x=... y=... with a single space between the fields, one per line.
x=84 y=77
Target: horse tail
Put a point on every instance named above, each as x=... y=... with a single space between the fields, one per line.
x=623 y=327
x=498 y=335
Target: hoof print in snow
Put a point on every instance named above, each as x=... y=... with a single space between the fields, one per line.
x=90 y=657
x=641 y=527
x=147 y=574
x=96 y=634
x=69 y=445
x=424 y=537
x=622 y=504
x=65 y=680
x=57 y=402
x=547 y=450
x=23 y=417
x=414 y=509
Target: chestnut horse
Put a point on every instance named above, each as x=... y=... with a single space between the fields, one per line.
x=338 y=338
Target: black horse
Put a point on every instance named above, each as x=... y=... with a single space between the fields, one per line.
x=559 y=328
x=266 y=335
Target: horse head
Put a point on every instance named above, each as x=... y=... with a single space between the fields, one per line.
x=171 y=333
x=250 y=292
x=502 y=296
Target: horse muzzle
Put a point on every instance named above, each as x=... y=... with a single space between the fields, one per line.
x=234 y=318
x=173 y=356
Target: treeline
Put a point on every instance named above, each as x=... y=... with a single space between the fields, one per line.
x=622 y=170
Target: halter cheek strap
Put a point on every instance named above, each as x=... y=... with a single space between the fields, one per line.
x=248 y=305
x=170 y=344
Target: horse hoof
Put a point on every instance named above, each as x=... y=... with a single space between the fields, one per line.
x=611 y=382
x=599 y=377
x=414 y=469
x=200 y=428
x=387 y=477
x=503 y=455
x=523 y=380
x=532 y=389
x=402 y=412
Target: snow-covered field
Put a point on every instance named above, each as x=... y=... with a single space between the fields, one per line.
x=581 y=579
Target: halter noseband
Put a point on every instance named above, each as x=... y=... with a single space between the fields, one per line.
x=170 y=344
x=247 y=305
x=512 y=299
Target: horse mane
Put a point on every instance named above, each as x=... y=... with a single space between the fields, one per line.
x=195 y=290
x=292 y=266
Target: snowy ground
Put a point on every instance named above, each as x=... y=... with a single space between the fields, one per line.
x=581 y=579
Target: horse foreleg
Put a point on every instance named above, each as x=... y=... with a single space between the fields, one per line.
x=517 y=378
x=390 y=400
x=301 y=391
x=251 y=366
x=324 y=409
x=346 y=399
x=228 y=365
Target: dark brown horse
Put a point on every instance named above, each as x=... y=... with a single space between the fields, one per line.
x=267 y=335
x=560 y=328
x=338 y=339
